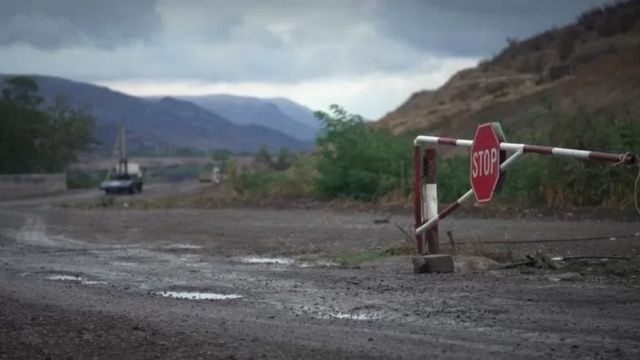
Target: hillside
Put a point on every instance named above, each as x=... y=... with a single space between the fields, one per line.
x=591 y=65
x=165 y=122
x=280 y=114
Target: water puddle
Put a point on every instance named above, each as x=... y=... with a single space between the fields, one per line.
x=267 y=260
x=335 y=314
x=93 y=282
x=74 y=278
x=350 y=316
x=123 y=263
x=193 y=295
x=60 y=277
x=319 y=263
x=182 y=247
x=357 y=316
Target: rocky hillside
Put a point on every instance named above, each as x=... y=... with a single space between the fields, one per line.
x=592 y=64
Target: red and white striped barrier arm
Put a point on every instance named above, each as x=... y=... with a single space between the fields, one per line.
x=468 y=195
x=626 y=158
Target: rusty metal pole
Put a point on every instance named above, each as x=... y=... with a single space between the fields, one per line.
x=431 y=198
x=417 y=194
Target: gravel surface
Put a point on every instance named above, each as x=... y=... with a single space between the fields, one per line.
x=96 y=283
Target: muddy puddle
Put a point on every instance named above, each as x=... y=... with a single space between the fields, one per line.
x=74 y=278
x=285 y=261
x=337 y=314
x=267 y=260
x=195 y=295
x=182 y=247
x=318 y=263
x=349 y=316
x=123 y=263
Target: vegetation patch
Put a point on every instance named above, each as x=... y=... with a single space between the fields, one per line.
x=295 y=181
x=84 y=179
x=38 y=137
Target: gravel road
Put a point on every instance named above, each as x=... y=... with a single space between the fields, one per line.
x=263 y=283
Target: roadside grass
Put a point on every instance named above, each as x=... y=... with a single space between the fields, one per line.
x=106 y=201
x=296 y=181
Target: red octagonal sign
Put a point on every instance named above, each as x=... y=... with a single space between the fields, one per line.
x=485 y=162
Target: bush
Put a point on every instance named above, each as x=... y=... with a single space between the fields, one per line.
x=357 y=161
x=84 y=179
x=174 y=173
x=566 y=42
x=296 y=181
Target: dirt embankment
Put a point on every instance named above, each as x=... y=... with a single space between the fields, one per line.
x=591 y=64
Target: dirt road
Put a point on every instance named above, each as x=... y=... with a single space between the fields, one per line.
x=112 y=283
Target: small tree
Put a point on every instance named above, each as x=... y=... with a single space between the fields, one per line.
x=33 y=139
x=263 y=156
x=284 y=159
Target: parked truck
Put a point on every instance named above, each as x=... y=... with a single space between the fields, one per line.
x=125 y=176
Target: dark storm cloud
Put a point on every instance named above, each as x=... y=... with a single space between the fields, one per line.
x=472 y=27
x=50 y=24
x=269 y=40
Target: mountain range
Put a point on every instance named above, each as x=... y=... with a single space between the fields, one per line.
x=166 y=122
x=281 y=114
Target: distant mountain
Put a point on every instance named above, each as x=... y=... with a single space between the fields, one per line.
x=296 y=111
x=165 y=122
x=279 y=114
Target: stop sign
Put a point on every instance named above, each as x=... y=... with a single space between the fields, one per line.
x=484 y=162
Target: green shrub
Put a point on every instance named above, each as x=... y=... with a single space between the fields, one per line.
x=358 y=161
x=175 y=172
x=84 y=179
x=295 y=181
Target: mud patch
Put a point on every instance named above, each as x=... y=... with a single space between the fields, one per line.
x=195 y=295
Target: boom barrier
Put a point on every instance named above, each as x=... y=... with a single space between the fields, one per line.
x=486 y=170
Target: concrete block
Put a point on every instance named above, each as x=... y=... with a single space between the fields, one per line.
x=439 y=263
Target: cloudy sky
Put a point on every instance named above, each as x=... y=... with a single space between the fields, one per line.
x=368 y=55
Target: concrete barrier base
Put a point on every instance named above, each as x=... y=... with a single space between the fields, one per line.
x=440 y=263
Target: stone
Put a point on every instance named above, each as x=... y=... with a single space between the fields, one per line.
x=439 y=263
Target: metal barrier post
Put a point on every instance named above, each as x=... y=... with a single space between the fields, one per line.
x=431 y=198
x=417 y=193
